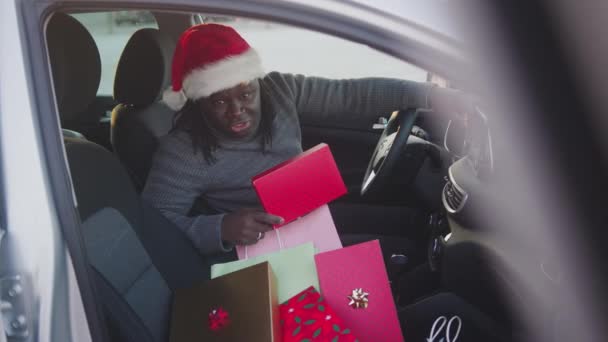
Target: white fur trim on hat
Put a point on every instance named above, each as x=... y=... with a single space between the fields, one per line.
x=174 y=99
x=223 y=74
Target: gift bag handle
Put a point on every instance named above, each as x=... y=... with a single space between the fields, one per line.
x=276 y=231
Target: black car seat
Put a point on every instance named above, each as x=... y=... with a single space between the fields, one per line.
x=140 y=119
x=76 y=69
x=138 y=256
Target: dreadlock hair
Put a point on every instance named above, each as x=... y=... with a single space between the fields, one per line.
x=191 y=120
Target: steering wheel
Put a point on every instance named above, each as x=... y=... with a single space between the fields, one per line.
x=391 y=142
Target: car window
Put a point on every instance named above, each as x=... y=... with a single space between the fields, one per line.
x=301 y=51
x=111 y=31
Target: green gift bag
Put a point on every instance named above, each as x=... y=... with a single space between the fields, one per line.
x=294 y=268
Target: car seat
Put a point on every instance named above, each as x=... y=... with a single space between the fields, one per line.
x=140 y=119
x=139 y=256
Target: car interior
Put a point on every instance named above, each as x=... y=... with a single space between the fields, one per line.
x=410 y=183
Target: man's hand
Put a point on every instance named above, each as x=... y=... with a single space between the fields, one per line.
x=246 y=226
x=451 y=101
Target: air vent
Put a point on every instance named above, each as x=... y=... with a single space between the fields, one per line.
x=453 y=197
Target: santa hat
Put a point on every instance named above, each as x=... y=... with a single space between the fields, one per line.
x=209 y=58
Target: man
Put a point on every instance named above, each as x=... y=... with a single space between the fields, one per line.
x=235 y=121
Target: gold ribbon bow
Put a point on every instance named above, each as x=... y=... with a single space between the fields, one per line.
x=358 y=299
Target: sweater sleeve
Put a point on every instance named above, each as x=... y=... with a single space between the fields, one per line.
x=326 y=100
x=173 y=184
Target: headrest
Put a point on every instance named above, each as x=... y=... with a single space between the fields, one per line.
x=75 y=64
x=144 y=68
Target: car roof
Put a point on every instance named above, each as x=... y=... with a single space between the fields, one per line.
x=433 y=15
x=424 y=36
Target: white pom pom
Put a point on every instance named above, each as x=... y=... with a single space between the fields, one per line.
x=174 y=99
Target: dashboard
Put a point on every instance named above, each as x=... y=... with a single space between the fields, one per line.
x=469 y=143
x=466 y=254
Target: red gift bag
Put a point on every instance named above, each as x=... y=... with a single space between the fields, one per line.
x=306 y=316
x=299 y=185
x=354 y=282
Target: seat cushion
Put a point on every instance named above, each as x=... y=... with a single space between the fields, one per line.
x=116 y=252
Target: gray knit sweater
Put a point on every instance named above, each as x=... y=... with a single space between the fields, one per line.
x=179 y=175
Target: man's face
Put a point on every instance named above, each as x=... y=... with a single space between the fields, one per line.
x=234 y=113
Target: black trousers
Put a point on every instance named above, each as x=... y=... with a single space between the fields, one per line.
x=417 y=321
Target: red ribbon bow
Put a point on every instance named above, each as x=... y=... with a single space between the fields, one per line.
x=218 y=319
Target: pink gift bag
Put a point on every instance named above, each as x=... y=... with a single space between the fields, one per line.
x=316 y=227
x=354 y=283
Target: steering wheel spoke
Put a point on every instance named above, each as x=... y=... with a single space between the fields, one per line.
x=393 y=138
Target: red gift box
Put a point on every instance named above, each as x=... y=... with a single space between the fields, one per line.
x=299 y=185
x=355 y=284
x=307 y=317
